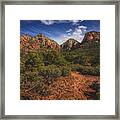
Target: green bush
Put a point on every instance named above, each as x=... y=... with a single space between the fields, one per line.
x=75 y=67
x=61 y=61
x=66 y=70
x=54 y=57
x=53 y=71
x=85 y=57
x=96 y=86
x=34 y=59
x=47 y=64
x=50 y=57
x=88 y=70
x=50 y=71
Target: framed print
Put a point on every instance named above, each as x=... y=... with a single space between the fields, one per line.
x=60 y=59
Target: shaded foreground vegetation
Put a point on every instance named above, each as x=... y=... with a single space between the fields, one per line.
x=72 y=87
x=44 y=72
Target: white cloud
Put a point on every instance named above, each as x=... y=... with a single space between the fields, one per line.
x=69 y=34
x=68 y=31
x=48 y=22
x=75 y=22
x=77 y=33
x=82 y=27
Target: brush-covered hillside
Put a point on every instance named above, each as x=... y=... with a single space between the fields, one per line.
x=67 y=71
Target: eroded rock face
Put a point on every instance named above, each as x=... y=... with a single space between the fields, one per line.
x=24 y=40
x=28 y=42
x=39 y=41
x=70 y=44
x=91 y=36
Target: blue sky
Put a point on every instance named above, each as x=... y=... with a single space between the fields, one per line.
x=59 y=30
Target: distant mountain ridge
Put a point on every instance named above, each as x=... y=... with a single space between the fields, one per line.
x=89 y=38
x=70 y=44
x=28 y=42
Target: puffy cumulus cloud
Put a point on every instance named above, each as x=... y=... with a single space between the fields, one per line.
x=77 y=34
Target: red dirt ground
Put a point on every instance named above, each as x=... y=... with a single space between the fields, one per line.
x=71 y=87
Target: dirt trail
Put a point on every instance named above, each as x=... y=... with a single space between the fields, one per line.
x=72 y=87
x=75 y=74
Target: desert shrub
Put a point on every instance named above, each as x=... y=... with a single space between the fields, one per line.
x=88 y=70
x=85 y=70
x=75 y=67
x=50 y=71
x=65 y=70
x=22 y=78
x=82 y=59
x=34 y=59
x=96 y=70
x=22 y=67
x=50 y=57
x=25 y=97
x=32 y=76
x=85 y=57
x=95 y=61
x=54 y=57
x=41 y=88
x=96 y=86
x=53 y=71
x=61 y=61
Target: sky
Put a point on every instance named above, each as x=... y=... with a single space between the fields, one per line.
x=59 y=30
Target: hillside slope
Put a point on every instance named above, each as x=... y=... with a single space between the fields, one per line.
x=28 y=43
